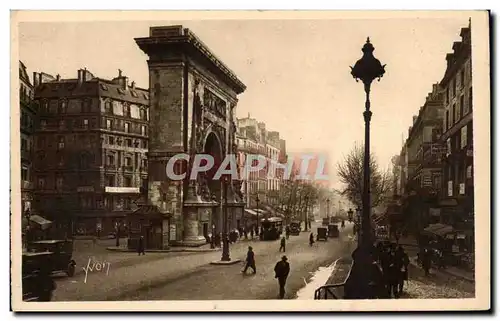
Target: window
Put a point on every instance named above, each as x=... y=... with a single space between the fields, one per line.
x=127 y=127
x=143 y=130
x=127 y=203
x=85 y=123
x=43 y=123
x=62 y=124
x=110 y=180
x=462 y=106
x=111 y=160
x=128 y=181
x=60 y=159
x=59 y=182
x=128 y=142
x=128 y=161
x=108 y=107
x=61 y=143
x=24 y=144
x=111 y=140
x=62 y=107
x=454 y=113
x=470 y=100
x=145 y=144
x=463 y=137
x=109 y=124
x=24 y=173
x=454 y=84
x=126 y=110
x=462 y=78
x=41 y=182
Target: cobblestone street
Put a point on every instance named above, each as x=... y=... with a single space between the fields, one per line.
x=175 y=276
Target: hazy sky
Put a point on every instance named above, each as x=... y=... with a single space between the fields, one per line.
x=296 y=71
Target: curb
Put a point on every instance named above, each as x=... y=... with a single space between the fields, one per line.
x=232 y=262
x=194 y=250
x=413 y=261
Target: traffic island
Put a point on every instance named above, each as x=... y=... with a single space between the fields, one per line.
x=230 y=262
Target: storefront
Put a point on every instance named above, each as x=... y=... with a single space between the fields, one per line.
x=149 y=222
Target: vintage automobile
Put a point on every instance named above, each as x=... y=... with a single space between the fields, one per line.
x=30 y=266
x=58 y=254
x=333 y=230
x=295 y=228
x=322 y=234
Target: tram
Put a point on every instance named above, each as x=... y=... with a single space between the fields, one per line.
x=271 y=228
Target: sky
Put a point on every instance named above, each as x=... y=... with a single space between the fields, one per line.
x=296 y=71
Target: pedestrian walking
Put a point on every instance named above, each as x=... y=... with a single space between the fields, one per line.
x=426 y=261
x=287 y=232
x=392 y=272
x=141 y=246
x=250 y=261
x=311 y=239
x=404 y=262
x=251 y=233
x=283 y=244
x=44 y=284
x=281 y=271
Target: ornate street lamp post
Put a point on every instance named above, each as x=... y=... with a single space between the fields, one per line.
x=367 y=69
x=225 y=243
x=214 y=209
x=350 y=215
x=257 y=200
x=360 y=285
x=328 y=209
x=305 y=218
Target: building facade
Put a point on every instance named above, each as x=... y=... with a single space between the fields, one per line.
x=457 y=197
x=254 y=139
x=91 y=140
x=27 y=121
x=422 y=161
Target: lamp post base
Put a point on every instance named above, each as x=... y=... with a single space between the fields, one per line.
x=365 y=279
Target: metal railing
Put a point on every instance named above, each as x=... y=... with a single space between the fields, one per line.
x=328 y=291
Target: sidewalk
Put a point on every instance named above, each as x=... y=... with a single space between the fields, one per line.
x=453 y=271
x=172 y=249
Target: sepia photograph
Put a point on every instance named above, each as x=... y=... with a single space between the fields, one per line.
x=250 y=161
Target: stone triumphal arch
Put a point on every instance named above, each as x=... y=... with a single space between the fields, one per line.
x=193 y=97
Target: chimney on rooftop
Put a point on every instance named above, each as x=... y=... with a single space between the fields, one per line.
x=58 y=77
x=80 y=76
x=133 y=84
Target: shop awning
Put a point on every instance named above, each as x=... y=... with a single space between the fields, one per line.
x=251 y=212
x=150 y=211
x=44 y=223
x=438 y=229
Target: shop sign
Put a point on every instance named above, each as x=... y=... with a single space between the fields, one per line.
x=450 y=188
x=462 y=188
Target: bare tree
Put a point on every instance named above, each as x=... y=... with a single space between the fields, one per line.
x=351 y=173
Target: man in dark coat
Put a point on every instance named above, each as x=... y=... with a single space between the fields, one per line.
x=402 y=261
x=281 y=270
x=250 y=261
x=141 y=246
x=283 y=244
x=311 y=239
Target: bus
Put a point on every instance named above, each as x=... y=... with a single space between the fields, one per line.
x=271 y=228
